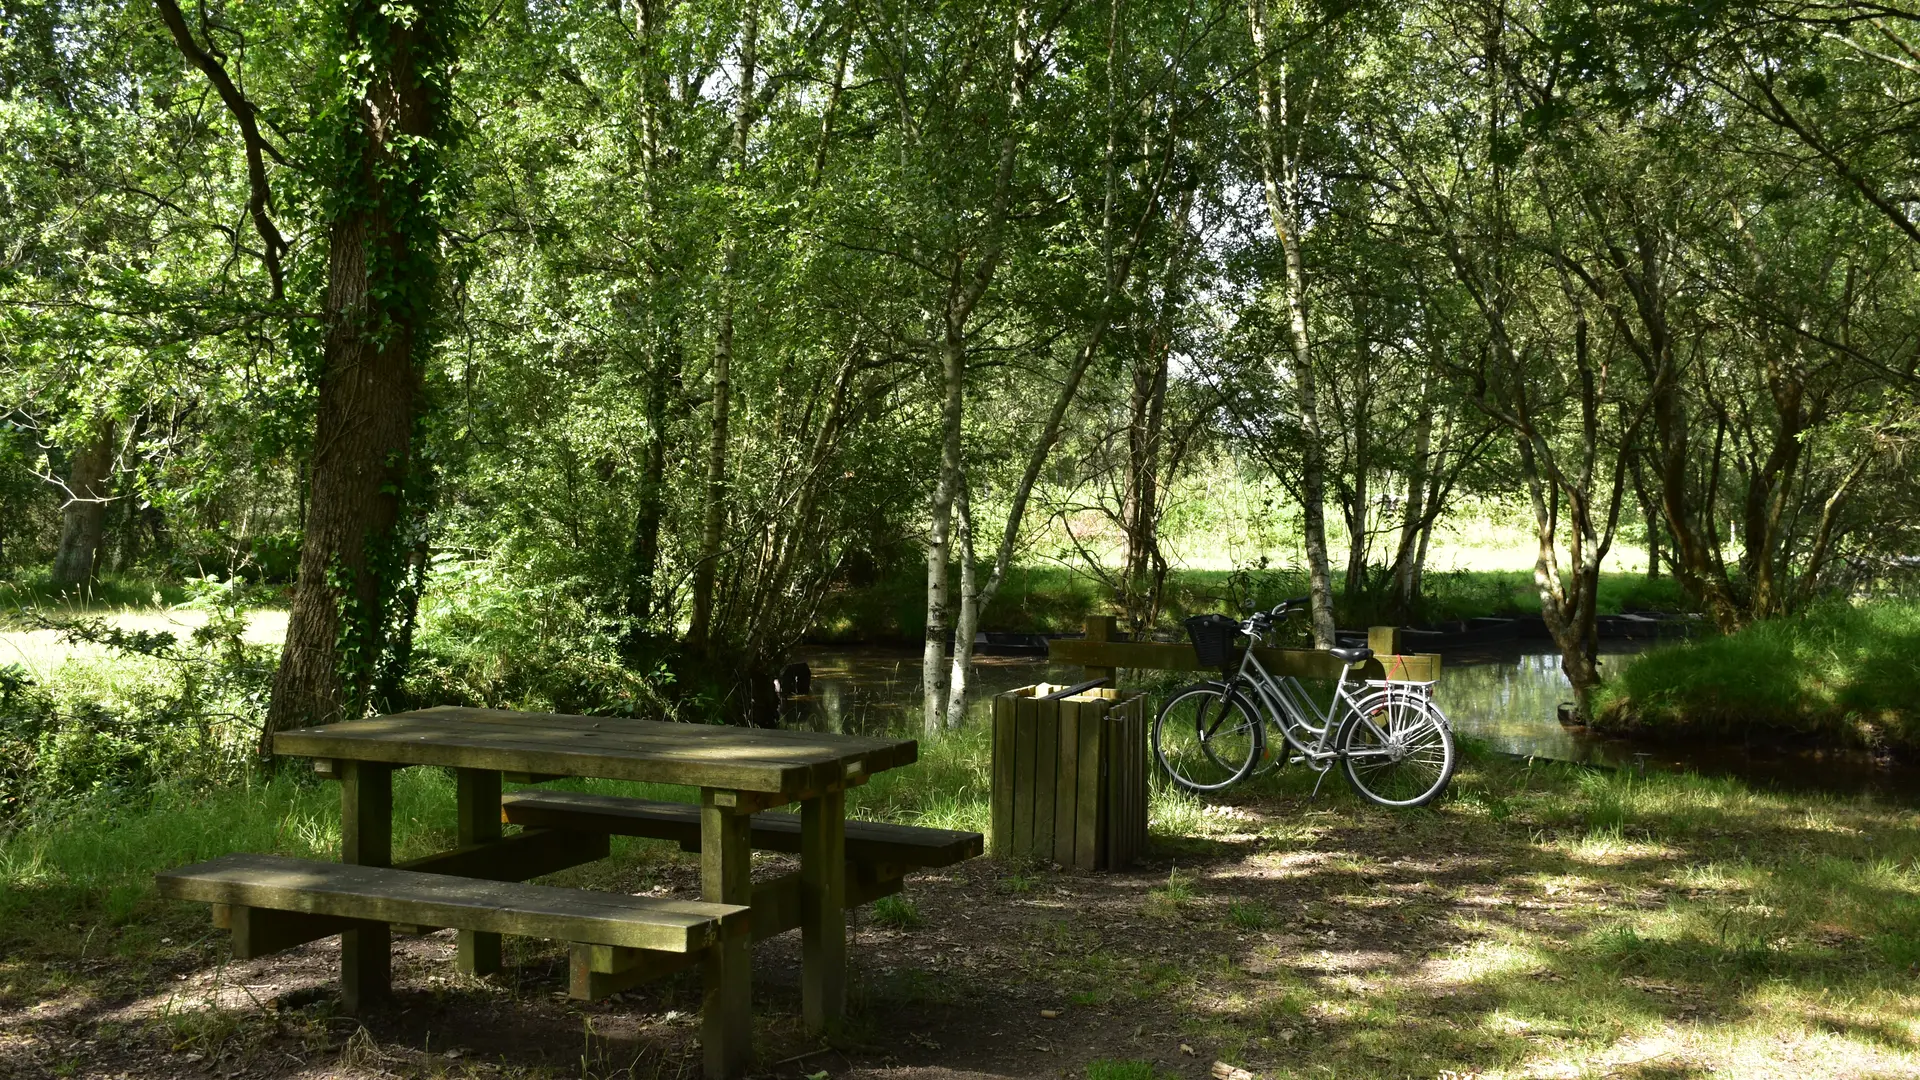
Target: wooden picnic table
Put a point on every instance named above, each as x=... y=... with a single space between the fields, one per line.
x=739 y=771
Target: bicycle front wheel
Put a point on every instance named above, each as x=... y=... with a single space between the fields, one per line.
x=1397 y=749
x=1206 y=737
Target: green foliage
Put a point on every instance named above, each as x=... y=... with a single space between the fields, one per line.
x=494 y=639
x=1840 y=674
x=154 y=711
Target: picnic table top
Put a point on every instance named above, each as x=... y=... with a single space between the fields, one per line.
x=796 y=763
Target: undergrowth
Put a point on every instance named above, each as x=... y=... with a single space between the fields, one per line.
x=1840 y=674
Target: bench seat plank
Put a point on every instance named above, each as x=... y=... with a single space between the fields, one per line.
x=867 y=841
x=381 y=894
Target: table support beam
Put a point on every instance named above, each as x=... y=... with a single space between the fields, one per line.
x=366 y=838
x=823 y=916
x=726 y=877
x=479 y=823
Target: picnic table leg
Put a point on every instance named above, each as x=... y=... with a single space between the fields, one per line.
x=366 y=838
x=823 y=911
x=726 y=866
x=479 y=822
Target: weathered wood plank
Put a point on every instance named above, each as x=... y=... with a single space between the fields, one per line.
x=726 y=863
x=1002 y=776
x=524 y=855
x=1066 y=792
x=527 y=854
x=795 y=764
x=389 y=895
x=1026 y=724
x=1046 y=763
x=866 y=841
x=259 y=932
x=823 y=917
x=1086 y=789
x=366 y=839
x=478 y=817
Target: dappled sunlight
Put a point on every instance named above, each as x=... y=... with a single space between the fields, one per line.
x=1609 y=848
x=1479 y=961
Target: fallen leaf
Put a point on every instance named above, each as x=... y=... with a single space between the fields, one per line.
x=1185 y=1049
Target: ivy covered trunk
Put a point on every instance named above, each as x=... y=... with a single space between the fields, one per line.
x=83 y=518
x=355 y=594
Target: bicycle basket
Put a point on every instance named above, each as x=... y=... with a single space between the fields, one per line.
x=1213 y=638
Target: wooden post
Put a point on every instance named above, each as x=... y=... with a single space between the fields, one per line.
x=823 y=916
x=479 y=795
x=1102 y=628
x=366 y=838
x=1384 y=640
x=726 y=877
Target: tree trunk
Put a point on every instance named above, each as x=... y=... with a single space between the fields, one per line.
x=83 y=517
x=380 y=280
x=935 y=674
x=1406 y=574
x=713 y=518
x=1140 y=505
x=644 y=554
x=1279 y=168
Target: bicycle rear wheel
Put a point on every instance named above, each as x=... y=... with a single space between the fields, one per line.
x=1397 y=749
x=1206 y=737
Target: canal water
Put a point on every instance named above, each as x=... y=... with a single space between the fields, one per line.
x=1507 y=699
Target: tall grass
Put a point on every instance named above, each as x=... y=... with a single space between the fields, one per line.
x=1839 y=673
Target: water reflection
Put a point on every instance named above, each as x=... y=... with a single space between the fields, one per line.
x=874 y=690
x=1507 y=700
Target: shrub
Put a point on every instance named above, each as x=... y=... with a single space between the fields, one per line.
x=1840 y=673
x=148 y=708
x=488 y=638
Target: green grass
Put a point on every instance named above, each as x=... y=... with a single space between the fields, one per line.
x=1839 y=674
x=105 y=592
x=1542 y=919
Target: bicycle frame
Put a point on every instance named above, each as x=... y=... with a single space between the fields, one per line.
x=1285 y=705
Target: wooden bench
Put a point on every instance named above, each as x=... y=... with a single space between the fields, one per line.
x=867 y=841
x=271 y=902
x=879 y=856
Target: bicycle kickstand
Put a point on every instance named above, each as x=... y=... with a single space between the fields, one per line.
x=1316 y=784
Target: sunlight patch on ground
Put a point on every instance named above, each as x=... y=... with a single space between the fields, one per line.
x=1480 y=961
x=1609 y=848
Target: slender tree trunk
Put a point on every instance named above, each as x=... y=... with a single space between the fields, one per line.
x=713 y=517
x=936 y=674
x=967 y=624
x=353 y=560
x=83 y=517
x=1279 y=168
x=1140 y=506
x=965 y=290
x=1405 y=572
x=644 y=555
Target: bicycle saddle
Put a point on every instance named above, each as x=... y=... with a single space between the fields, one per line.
x=1351 y=656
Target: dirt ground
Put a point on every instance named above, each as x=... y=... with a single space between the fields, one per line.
x=1295 y=938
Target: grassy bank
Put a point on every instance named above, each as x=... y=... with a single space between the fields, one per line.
x=1058 y=599
x=1838 y=675
x=1540 y=921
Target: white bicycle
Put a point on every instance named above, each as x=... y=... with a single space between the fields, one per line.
x=1389 y=738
